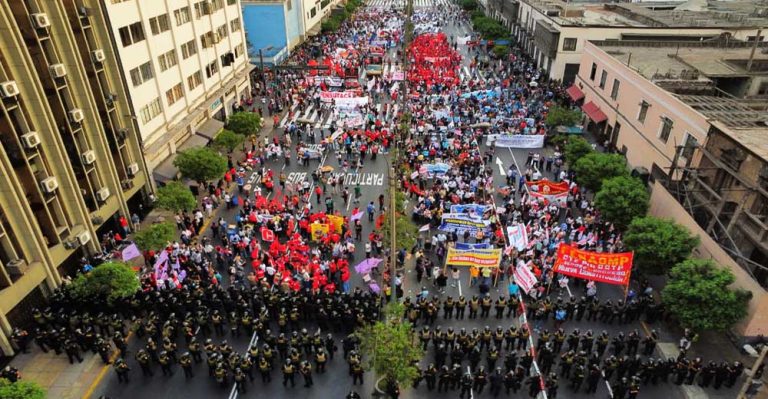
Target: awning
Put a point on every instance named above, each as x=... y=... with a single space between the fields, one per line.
x=315 y=30
x=166 y=171
x=575 y=93
x=594 y=112
x=209 y=129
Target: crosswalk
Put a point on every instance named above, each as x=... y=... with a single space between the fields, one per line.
x=477 y=74
x=318 y=121
x=394 y=4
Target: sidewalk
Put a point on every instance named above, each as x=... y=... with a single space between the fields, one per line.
x=53 y=372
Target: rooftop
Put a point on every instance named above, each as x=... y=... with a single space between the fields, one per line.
x=693 y=13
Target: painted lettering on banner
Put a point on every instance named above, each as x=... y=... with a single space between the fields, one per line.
x=611 y=268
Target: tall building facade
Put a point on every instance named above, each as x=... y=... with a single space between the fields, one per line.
x=70 y=154
x=185 y=65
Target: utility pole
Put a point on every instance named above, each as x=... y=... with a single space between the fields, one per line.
x=748 y=382
x=393 y=233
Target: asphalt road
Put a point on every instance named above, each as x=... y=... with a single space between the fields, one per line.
x=335 y=383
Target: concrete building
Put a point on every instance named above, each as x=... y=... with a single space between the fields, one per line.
x=694 y=117
x=273 y=27
x=555 y=32
x=185 y=65
x=70 y=153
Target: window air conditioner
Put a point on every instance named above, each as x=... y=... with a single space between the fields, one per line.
x=76 y=115
x=40 y=20
x=58 y=70
x=89 y=157
x=49 y=184
x=102 y=194
x=30 y=140
x=9 y=89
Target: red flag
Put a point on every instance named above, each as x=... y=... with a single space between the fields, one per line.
x=267 y=234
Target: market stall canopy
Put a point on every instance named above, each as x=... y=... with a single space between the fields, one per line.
x=575 y=93
x=594 y=112
x=209 y=129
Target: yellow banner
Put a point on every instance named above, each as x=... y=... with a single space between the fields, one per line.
x=318 y=230
x=474 y=257
x=336 y=222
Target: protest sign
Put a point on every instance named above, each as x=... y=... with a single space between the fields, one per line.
x=473 y=257
x=611 y=268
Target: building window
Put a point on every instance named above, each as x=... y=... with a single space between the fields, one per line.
x=221 y=33
x=239 y=50
x=689 y=146
x=603 y=78
x=150 y=111
x=593 y=72
x=666 y=128
x=211 y=69
x=615 y=89
x=141 y=74
x=216 y=5
x=313 y=12
x=131 y=34
x=188 y=49
x=167 y=60
x=643 y=111
x=174 y=94
x=289 y=5
x=194 y=80
x=118 y=1
x=234 y=25
x=231 y=2
x=569 y=43
x=159 y=24
x=202 y=8
x=181 y=15
x=206 y=39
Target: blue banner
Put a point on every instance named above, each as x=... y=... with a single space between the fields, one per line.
x=471 y=208
x=462 y=246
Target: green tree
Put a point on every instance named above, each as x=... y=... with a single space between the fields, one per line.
x=228 y=140
x=155 y=236
x=698 y=293
x=564 y=116
x=658 y=243
x=468 y=5
x=622 y=199
x=175 y=196
x=500 y=51
x=592 y=169
x=390 y=347
x=108 y=281
x=21 y=390
x=200 y=164
x=245 y=123
x=575 y=148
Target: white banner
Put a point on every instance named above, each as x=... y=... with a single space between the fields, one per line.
x=518 y=236
x=350 y=102
x=353 y=121
x=398 y=75
x=462 y=41
x=327 y=96
x=524 y=277
x=516 y=140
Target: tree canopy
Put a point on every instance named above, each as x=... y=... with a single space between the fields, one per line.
x=200 y=164
x=175 y=197
x=698 y=293
x=21 y=390
x=500 y=51
x=595 y=167
x=155 y=236
x=228 y=140
x=658 y=243
x=575 y=148
x=468 y=5
x=557 y=116
x=622 y=199
x=109 y=281
x=245 y=123
x=390 y=346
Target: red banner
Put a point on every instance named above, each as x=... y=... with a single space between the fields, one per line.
x=601 y=267
x=549 y=190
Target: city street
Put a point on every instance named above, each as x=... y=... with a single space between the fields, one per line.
x=336 y=383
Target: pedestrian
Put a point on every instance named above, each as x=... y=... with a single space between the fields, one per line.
x=455 y=275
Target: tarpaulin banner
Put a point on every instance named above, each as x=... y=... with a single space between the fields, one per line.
x=398 y=76
x=474 y=257
x=519 y=141
x=471 y=208
x=433 y=169
x=130 y=252
x=460 y=222
x=327 y=96
x=611 y=268
x=318 y=230
x=465 y=246
x=524 y=277
x=518 y=236
x=350 y=102
x=549 y=190
x=336 y=222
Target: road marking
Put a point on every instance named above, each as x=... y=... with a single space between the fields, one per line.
x=459 y=287
x=355 y=199
x=104 y=369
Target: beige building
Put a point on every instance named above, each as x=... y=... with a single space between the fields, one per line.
x=185 y=65
x=693 y=118
x=555 y=32
x=70 y=154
